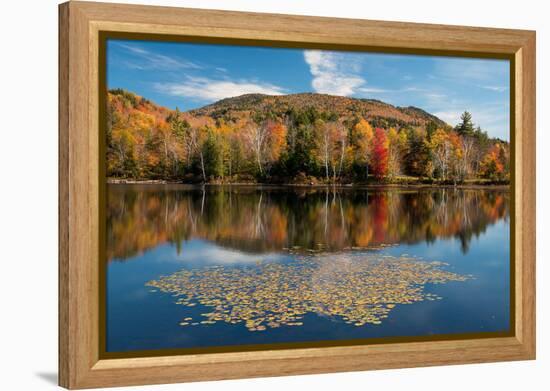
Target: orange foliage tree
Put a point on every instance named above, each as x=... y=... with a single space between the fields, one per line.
x=363 y=135
x=494 y=162
x=380 y=154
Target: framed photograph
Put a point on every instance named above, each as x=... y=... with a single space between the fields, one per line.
x=247 y=195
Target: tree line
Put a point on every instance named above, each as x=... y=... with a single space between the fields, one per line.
x=145 y=141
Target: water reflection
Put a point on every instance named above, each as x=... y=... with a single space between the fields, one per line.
x=217 y=266
x=309 y=220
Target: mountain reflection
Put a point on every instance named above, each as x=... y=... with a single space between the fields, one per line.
x=265 y=219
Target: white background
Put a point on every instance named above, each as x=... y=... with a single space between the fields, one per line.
x=28 y=194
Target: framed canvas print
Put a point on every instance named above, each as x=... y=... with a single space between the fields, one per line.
x=248 y=195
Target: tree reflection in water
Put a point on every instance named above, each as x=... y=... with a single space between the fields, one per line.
x=311 y=220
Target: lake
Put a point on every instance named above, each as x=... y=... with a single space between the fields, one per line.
x=214 y=266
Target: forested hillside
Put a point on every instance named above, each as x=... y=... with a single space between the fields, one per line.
x=300 y=138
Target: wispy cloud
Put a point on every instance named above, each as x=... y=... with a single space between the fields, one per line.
x=423 y=95
x=202 y=88
x=434 y=95
x=374 y=90
x=495 y=88
x=468 y=69
x=494 y=119
x=333 y=73
x=142 y=59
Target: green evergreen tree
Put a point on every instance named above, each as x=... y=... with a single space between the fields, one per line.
x=213 y=159
x=466 y=126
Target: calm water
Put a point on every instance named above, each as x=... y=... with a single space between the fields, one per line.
x=192 y=267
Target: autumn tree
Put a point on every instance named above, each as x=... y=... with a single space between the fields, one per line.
x=174 y=140
x=465 y=162
x=396 y=145
x=225 y=132
x=457 y=173
x=446 y=152
x=276 y=142
x=441 y=152
x=267 y=141
x=362 y=138
x=331 y=147
x=416 y=156
x=380 y=154
x=121 y=158
x=494 y=162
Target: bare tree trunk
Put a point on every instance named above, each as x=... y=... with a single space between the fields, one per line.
x=259 y=162
x=202 y=166
x=326 y=158
x=122 y=157
x=342 y=158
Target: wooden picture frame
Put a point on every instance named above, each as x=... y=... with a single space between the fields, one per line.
x=80 y=26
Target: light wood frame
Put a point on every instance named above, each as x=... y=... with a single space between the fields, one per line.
x=80 y=365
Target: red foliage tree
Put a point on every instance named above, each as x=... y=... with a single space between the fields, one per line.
x=380 y=154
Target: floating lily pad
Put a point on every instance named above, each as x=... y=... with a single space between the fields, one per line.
x=358 y=289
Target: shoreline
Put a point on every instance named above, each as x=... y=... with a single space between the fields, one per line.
x=463 y=186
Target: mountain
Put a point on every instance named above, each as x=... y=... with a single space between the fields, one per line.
x=377 y=112
x=297 y=138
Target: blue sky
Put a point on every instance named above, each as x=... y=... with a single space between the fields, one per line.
x=192 y=75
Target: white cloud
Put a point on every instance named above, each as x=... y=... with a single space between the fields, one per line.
x=202 y=88
x=148 y=60
x=200 y=251
x=495 y=88
x=333 y=73
x=451 y=117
